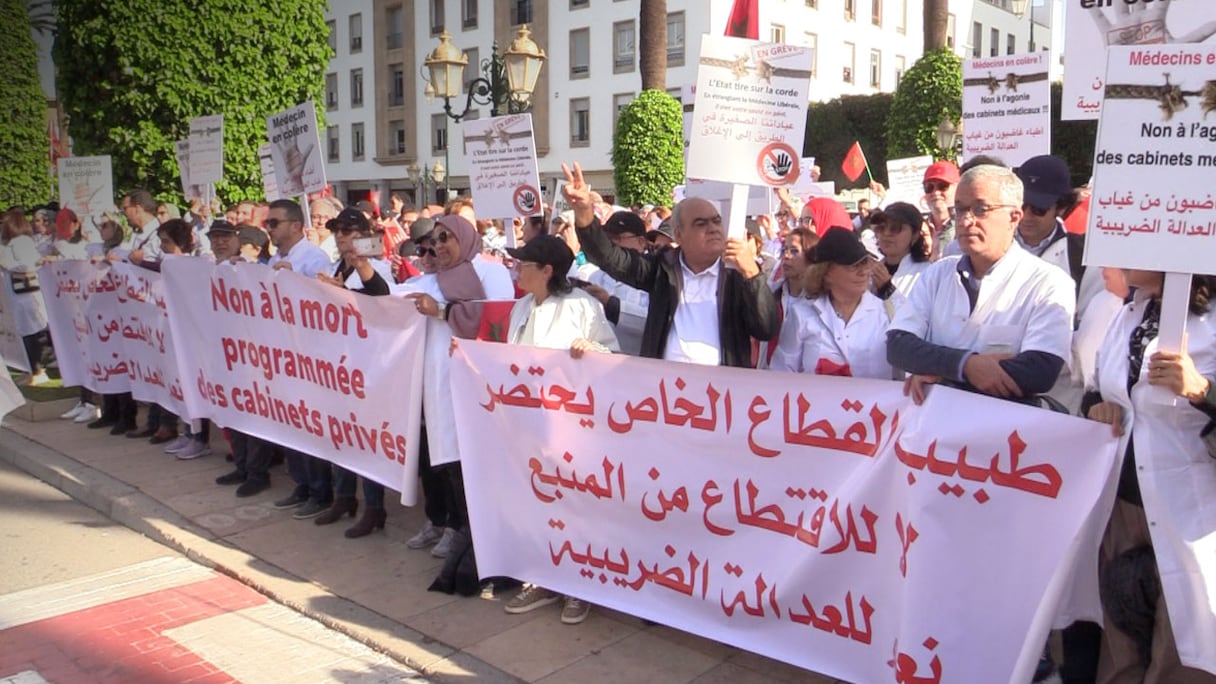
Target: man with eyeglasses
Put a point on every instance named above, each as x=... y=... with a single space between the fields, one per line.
x=708 y=298
x=939 y=183
x=995 y=319
x=320 y=212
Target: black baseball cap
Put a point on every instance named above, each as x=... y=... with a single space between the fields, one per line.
x=220 y=226
x=625 y=223
x=1045 y=179
x=839 y=246
x=349 y=218
x=422 y=229
x=548 y=250
x=901 y=213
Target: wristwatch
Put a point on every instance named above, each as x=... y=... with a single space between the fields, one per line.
x=443 y=311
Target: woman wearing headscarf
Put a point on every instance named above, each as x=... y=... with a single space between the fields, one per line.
x=69 y=237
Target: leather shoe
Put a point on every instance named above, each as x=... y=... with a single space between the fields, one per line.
x=121 y=428
x=235 y=477
x=251 y=487
x=102 y=422
x=163 y=435
x=343 y=505
x=373 y=519
x=136 y=433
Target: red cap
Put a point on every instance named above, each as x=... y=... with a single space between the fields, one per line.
x=944 y=171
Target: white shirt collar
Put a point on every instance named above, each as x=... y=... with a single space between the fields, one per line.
x=713 y=270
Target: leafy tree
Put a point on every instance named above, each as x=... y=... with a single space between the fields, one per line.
x=132 y=73
x=1073 y=140
x=24 y=142
x=930 y=91
x=648 y=149
x=936 y=22
x=831 y=128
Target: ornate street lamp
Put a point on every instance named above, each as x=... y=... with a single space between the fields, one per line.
x=1023 y=8
x=949 y=136
x=422 y=177
x=507 y=82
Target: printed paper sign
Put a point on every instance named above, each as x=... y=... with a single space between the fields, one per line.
x=1090 y=26
x=502 y=166
x=12 y=349
x=86 y=184
x=270 y=185
x=906 y=177
x=826 y=522
x=1007 y=107
x=750 y=115
x=300 y=363
x=1153 y=206
x=191 y=191
x=295 y=146
x=206 y=159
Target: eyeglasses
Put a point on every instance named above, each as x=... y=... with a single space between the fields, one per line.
x=935 y=186
x=442 y=238
x=1035 y=210
x=979 y=211
x=273 y=223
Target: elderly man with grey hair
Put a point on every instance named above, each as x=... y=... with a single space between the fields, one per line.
x=995 y=319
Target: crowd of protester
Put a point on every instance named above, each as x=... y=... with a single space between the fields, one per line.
x=980 y=288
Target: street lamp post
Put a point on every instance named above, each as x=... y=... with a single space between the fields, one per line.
x=1024 y=8
x=506 y=83
x=950 y=137
x=421 y=176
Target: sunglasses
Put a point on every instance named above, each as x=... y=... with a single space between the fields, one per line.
x=936 y=186
x=273 y=223
x=1035 y=210
x=426 y=252
x=442 y=238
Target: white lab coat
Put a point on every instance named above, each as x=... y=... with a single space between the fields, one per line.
x=1177 y=480
x=812 y=333
x=560 y=320
x=21 y=255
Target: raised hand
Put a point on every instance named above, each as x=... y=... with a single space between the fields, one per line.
x=578 y=195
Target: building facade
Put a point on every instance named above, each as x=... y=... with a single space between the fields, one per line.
x=379 y=121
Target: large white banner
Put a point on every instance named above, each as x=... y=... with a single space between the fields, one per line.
x=750 y=116
x=502 y=166
x=303 y=364
x=1153 y=206
x=1007 y=107
x=111 y=330
x=295 y=146
x=86 y=184
x=12 y=349
x=827 y=522
x=1091 y=26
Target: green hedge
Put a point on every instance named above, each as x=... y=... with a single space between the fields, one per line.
x=930 y=91
x=24 y=141
x=831 y=128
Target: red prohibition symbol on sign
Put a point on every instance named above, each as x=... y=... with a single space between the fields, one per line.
x=777 y=164
x=526 y=199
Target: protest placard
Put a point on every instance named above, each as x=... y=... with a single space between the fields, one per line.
x=270 y=186
x=192 y=191
x=295 y=146
x=207 y=149
x=1090 y=26
x=502 y=166
x=86 y=184
x=826 y=522
x=1153 y=206
x=12 y=349
x=1007 y=107
x=750 y=116
x=906 y=177
x=315 y=368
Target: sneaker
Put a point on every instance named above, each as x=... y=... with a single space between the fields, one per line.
x=39 y=378
x=290 y=502
x=251 y=487
x=71 y=413
x=530 y=598
x=444 y=546
x=88 y=414
x=235 y=477
x=178 y=444
x=428 y=536
x=311 y=509
x=194 y=449
x=575 y=611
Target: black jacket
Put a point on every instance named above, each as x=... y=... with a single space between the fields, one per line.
x=746 y=308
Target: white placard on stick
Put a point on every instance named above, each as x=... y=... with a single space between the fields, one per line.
x=191 y=191
x=1090 y=26
x=86 y=184
x=1153 y=206
x=1007 y=107
x=750 y=116
x=906 y=177
x=206 y=159
x=502 y=166
x=295 y=145
x=270 y=185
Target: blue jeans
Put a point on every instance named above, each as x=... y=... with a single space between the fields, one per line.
x=311 y=475
x=344 y=485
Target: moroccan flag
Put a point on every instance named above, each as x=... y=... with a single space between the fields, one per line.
x=744 y=21
x=854 y=162
x=495 y=317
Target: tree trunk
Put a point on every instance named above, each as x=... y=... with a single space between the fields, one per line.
x=936 y=20
x=652 y=44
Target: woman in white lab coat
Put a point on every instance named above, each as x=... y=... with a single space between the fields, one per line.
x=1157 y=569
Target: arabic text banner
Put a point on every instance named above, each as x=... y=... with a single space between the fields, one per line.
x=303 y=364
x=111 y=330
x=827 y=522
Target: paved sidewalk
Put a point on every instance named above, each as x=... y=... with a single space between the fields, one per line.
x=373 y=589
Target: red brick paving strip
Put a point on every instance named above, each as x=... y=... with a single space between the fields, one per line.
x=121 y=642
